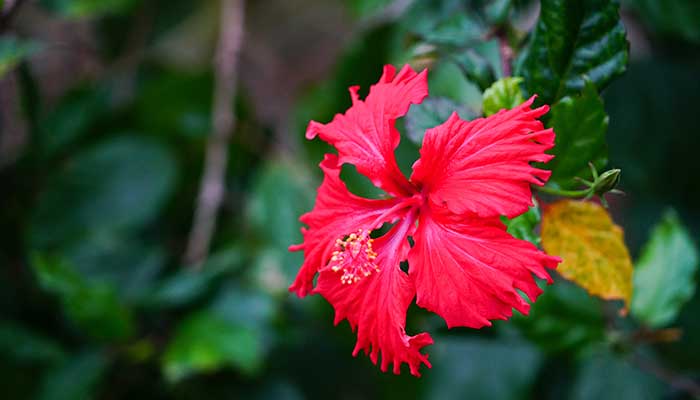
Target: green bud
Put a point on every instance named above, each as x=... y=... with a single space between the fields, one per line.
x=606 y=182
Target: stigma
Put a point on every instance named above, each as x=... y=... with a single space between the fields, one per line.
x=354 y=256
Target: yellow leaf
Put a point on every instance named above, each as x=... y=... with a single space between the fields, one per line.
x=591 y=247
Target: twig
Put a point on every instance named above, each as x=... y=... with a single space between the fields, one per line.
x=678 y=382
x=211 y=190
x=506 y=53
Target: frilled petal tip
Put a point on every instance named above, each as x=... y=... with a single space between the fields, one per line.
x=470 y=271
x=336 y=214
x=375 y=304
x=365 y=135
x=482 y=166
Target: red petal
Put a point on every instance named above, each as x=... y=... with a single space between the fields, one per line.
x=337 y=213
x=365 y=135
x=468 y=271
x=482 y=166
x=376 y=306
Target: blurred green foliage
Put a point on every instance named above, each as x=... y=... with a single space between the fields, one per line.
x=97 y=202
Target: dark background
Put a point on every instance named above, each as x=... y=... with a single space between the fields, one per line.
x=105 y=114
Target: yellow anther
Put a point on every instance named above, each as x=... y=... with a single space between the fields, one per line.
x=354 y=256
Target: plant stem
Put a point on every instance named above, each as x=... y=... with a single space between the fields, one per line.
x=211 y=190
x=562 y=192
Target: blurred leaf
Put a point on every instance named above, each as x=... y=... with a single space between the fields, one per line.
x=475 y=67
x=188 y=285
x=432 y=112
x=591 y=246
x=481 y=369
x=125 y=263
x=118 y=184
x=13 y=51
x=76 y=378
x=675 y=17
x=503 y=94
x=457 y=29
x=564 y=319
x=604 y=376
x=580 y=124
x=72 y=118
x=446 y=80
x=172 y=103
x=88 y=8
x=94 y=308
x=664 y=278
x=523 y=226
x=280 y=194
x=573 y=39
x=26 y=346
x=205 y=343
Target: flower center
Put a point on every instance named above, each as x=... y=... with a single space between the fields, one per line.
x=354 y=256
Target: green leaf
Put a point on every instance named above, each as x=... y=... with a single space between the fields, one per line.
x=573 y=39
x=72 y=118
x=481 y=369
x=188 y=285
x=457 y=29
x=580 y=124
x=523 y=226
x=432 y=112
x=120 y=184
x=26 y=346
x=664 y=278
x=475 y=67
x=205 y=343
x=13 y=51
x=88 y=8
x=76 y=378
x=281 y=193
x=674 y=17
x=123 y=262
x=94 y=308
x=605 y=376
x=563 y=319
x=503 y=94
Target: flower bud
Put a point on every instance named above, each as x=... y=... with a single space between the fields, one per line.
x=606 y=182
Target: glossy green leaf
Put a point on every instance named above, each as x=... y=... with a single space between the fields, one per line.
x=432 y=112
x=580 y=124
x=119 y=184
x=523 y=226
x=503 y=94
x=76 y=378
x=481 y=369
x=12 y=51
x=604 y=376
x=573 y=39
x=664 y=277
x=205 y=343
x=94 y=308
x=27 y=346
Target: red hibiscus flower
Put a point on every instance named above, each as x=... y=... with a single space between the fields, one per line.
x=462 y=264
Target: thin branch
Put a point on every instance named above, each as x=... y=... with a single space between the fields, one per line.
x=678 y=382
x=506 y=53
x=211 y=191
